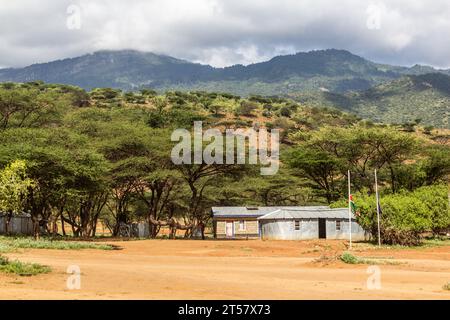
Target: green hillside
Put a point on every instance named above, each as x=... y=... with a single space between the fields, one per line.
x=410 y=98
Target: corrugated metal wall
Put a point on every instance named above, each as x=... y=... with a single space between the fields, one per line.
x=19 y=225
x=309 y=229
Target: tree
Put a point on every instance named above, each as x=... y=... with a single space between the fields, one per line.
x=436 y=164
x=359 y=150
x=64 y=167
x=14 y=187
x=246 y=108
x=284 y=188
x=198 y=178
x=392 y=148
x=21 y=107
x=322 y=168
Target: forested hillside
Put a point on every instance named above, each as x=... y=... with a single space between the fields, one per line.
x=423 y=99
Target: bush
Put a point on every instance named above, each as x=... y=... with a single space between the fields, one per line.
x=285 y=112
x=405 y=216
x=267 y=114
x=246 y=108
x=347 y=257
x=446 y=286
x=428 y=129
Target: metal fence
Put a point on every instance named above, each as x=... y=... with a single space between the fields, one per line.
x=18 y=225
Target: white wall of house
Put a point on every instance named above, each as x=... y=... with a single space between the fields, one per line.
x=308 y=229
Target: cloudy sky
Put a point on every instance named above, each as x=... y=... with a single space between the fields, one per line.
x=226 y=32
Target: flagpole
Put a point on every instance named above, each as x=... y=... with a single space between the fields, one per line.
x=349 y=210
x=378 y=208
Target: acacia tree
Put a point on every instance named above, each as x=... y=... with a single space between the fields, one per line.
x=198 y=178
x=321 y=167
x=27 y=107
x=14 y=187
x=62 y=166
x=326 y=155
x=392 y=148
x=82 y=211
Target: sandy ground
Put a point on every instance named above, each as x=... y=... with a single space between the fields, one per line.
x=254 y=269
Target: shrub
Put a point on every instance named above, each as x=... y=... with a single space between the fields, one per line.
x=267 y=114
x=405 y=216
x=347 y=257
x=446 y=286
x=246 y=108
x=428 y=129
x=3 y=261
x=285 y=112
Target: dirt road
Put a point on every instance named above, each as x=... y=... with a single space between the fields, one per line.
x=254 y=269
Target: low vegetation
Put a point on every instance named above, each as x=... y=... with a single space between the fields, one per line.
x=21 y=268
x=446 y=286
x=406 y=215
x=10 y=244
x=349 y=258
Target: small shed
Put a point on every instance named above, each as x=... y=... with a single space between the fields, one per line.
x=19 y=224
x=309 y=223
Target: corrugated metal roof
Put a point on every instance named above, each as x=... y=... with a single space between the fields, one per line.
x=232 y=212
x=305 y=213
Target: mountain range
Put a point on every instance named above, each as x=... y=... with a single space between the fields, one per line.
x=335 y=78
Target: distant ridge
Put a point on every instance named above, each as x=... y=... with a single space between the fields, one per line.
x=335 y=70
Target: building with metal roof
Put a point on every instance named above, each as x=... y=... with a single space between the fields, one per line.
x=285 y=223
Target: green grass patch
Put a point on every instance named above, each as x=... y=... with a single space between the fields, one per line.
x=21 y=268
x=425 y=244
x=11 y=244
x=349 y=258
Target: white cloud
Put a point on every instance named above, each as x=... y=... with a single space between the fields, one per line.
x=224 y=32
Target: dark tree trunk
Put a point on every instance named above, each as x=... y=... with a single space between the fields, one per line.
x=62 y=226
x=8 y=219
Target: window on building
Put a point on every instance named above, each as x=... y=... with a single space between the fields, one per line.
x=338 y=225
x=297 y=225
x=242 y=225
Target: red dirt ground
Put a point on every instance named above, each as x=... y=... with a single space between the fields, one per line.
x=253 y=269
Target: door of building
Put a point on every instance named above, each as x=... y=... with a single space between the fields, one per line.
x=322 y=228
x=229 y=229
